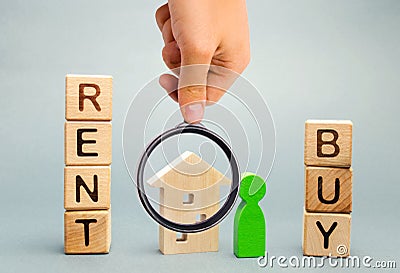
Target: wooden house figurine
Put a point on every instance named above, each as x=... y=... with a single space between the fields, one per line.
x=189 y=192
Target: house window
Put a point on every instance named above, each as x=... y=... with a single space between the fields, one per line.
x=181 y=237
x=188 y=198
x=201 y=217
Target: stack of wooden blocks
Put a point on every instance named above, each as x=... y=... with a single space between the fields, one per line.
x=328 y=188
x=87 y=172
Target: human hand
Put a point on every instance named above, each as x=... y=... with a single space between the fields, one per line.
x=207 y=32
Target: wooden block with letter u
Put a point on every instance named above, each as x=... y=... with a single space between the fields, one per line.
x=328 y=189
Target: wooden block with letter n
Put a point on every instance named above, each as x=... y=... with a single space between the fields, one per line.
x=328 y=189
x=88 y=97
x=87 y=231
x=326 y=234
x=87 y=143
x=87 y=188
x=328 y=143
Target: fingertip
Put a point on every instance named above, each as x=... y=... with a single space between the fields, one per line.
x=193 y=112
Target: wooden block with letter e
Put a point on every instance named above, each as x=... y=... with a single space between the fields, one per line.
x=88 y=97
x=326 y=234
x=87 y=143
x=328 y=189
x=87 y=232
x=87 y=188
x=328 y=143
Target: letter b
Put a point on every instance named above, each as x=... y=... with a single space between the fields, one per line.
x=321 y=143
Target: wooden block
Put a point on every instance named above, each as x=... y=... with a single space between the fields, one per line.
x=87 y=143
x=328 y=189
x=328 y=143
x=326 y=234
x=87 y=232
x=189 y=192
x=88 y=97
x=87 y=188
x=249 y=232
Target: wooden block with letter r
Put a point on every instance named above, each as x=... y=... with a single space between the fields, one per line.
x=328 y=143
x=87 y=232
x=326 y=234
x=87 y=188
x=88 y=97
x=87 y=143
x=328 y=189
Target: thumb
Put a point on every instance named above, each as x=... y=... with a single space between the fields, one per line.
x=192 y=85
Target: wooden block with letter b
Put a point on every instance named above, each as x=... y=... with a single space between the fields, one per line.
x=87 y=143
x=328 y=143
x=87 y=188
x=326 y=234
x=87 y=232
x=88 y=97
x=328 y=189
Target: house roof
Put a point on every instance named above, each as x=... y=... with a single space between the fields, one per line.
x=188 y=172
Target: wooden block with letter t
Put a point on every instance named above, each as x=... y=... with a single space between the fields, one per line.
x=328 y=143
x=328 y=189
x=87 y=143
x=88 y=97
x=87 y=188
x=326 y=234
x=87 y=232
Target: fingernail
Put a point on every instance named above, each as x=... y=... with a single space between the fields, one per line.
x=194 y=112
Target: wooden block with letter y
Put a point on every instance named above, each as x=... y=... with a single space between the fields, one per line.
x=328 y=143
x=87 y=188
x=87 y=232
x=87 y=143
x=328 y=189
x=88 y=97
x=326 y=234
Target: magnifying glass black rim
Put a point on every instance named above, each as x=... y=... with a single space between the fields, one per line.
x=226 y=207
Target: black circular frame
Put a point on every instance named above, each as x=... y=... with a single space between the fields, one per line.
x=226 y=207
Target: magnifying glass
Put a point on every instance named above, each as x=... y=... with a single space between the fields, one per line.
x=189 y=176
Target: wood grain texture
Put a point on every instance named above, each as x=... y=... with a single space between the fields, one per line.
x=87 y=188
x=336 y=243
x=205 y=241
x=88 y=97
x=249 y=233
x=328 y=143
x=328 y=189
x=95 y=239
x=88 y=143
x=188 y=175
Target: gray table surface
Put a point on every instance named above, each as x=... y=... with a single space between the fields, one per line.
x=310 y=59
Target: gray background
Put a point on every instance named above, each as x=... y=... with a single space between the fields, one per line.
x=310 y=59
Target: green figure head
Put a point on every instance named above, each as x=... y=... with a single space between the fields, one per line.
x=252 y=188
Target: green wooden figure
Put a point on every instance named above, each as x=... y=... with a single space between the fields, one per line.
x=249 y=226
